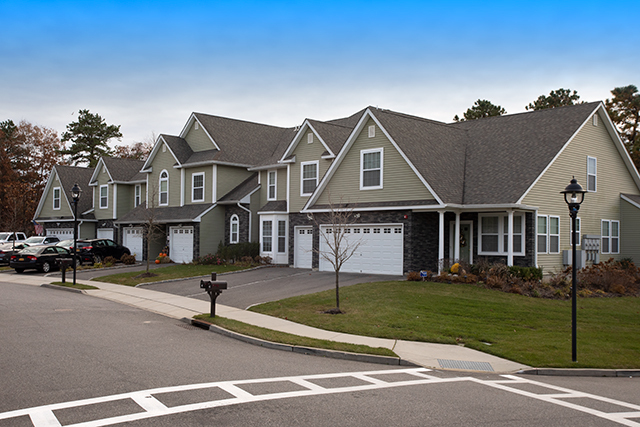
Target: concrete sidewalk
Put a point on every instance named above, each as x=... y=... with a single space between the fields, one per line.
x=437 y=356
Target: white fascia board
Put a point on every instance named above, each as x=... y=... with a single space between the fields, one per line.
x=264 y=168
x=141 y=181
x=292 y=146
x=147 y=163
x=96 y=171
x=47 y=187
x=432 y=208
x=209 y=209
x=190 y=122
x=273 y=213
x=613 y=132
x=626 y=199
x=210 y=162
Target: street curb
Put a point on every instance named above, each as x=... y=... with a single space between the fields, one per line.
x=333 y=354
x=582 y=372
x=62 y=288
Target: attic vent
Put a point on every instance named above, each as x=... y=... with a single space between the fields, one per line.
x=164 y=148
x=196 y=126
x=372 y=131
x=595 y=120
x=309 y=138
x=104 y=170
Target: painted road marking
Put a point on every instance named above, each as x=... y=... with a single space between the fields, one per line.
x=151 y=406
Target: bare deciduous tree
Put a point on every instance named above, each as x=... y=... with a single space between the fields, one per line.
x=341 y=244
x=151 y=228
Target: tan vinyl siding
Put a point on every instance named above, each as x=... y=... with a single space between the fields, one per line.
x=230 y=177
x=305 y=152
x=613 y=178
x=87 y=230
x=399 y=181
x=47 y=210
x=281 y=185
x=164 y=161
x=125 y=199
x=198 y=139
x=103 y=179
x=188 y=183
x=629 y=231
x=212 y=231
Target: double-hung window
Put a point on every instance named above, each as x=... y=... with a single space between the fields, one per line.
x=309 y=177
x=610 y=237
x=104 y=196
x=271 y=185
x=164 y=188
x=56 y=198
x=371 y=162
x=592 y=173
x=267 y=233
x=233 y=231
x=137 y=199
x=282 y=236
x=548 y=234
x=494 y=234
x=197 y=187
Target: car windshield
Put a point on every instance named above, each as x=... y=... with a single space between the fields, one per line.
x=34 y=239
x=4 y=236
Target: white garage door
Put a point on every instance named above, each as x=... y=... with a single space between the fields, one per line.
x=303 y=244
x=380 y=250
x=181 y=246
x=105 y=233
x=61 y=233
x=133 y=240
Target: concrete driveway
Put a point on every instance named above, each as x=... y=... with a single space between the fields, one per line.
x=248 y=288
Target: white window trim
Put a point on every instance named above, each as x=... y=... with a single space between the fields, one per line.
x=279 y=236
x=595 y=174
x=302 y=165
x=193 y=188
x=137 y=195
x=362 y=153
x=160 y=179
x=610 y=237
x=234 y=221
x=106 y=198
x=274 y=185
x=57 y=198
x=502 y=218
x=262 y=235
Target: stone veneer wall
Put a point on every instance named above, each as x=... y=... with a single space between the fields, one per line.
x=243 y=224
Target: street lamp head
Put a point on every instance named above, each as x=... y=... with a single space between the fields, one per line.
x=76 y=192
x=573 y=194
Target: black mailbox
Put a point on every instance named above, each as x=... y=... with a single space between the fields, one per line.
x=64 y=263
x=214 y=289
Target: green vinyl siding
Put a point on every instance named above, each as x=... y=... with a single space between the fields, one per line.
x=229 y=177
x=125 y=199
x=103 y=179
x=47 y=210
x=212 y=231
x=399 y=181
x=281 y=185
x=87 y=230
x=256 y=204
x=198 y=139
x=305 y=152
x=188 y=183
x=164 y=161
x=629 y=231
x=613 y=178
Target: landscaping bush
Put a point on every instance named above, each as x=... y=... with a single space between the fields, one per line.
x=128 y=259
x=414 y=276
x=208 y=259
x=109 y=261
x=236 y=252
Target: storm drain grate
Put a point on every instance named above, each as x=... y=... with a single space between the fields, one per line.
x=463 y=364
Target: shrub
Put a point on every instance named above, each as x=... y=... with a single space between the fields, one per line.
x=109 y=261
x=128 y=259
x=232 y=253
x=526 y=273
x=208 y=259
x=414 y=276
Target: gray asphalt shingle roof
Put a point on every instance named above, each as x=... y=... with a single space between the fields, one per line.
x=124 y=170
x=245 y=188
x=69 y=175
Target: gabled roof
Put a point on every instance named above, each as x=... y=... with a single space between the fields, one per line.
x=69 y=175
x=119 y=170
x=244 y=189
x=178 y=148
x=164 y=215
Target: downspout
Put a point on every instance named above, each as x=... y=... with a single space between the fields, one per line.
x=249 y=211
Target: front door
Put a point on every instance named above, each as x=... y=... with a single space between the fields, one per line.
x=466 y=241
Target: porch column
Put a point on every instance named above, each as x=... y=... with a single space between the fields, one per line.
x=510 y=239
x=456 y=239
x=441 y=242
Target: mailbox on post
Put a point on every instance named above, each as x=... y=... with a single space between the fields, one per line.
x=213 y=288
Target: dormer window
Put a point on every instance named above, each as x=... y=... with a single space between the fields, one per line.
x=309 y=138
x=164 y=188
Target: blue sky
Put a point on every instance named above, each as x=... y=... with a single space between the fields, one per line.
x=146 y=65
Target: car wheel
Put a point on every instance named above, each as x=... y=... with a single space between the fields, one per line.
x=97 y=259
x=46 y=267
x=19 y=270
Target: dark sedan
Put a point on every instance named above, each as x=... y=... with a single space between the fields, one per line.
x=84 y=255
x=102 y=248
x=41 y=258
x=8 y=249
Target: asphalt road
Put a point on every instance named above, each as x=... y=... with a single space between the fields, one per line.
x=59 y=348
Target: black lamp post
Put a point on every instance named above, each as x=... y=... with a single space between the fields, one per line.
x=75 y=195
x=574 y=196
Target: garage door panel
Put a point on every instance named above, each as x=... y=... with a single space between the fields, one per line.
x=380 y=250
x=134 y=241
x=303 y=244
x=181 y=249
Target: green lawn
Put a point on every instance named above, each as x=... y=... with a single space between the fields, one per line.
x=176 y=271
x=533 y=331
x=71 y=285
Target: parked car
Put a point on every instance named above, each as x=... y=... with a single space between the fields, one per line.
x=41 y=258
x=84 y=255
x=8 y=249
x=42 y=240
x=102 y=248
x=10 y=236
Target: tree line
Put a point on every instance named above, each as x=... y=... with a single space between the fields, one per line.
x=28 y=152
